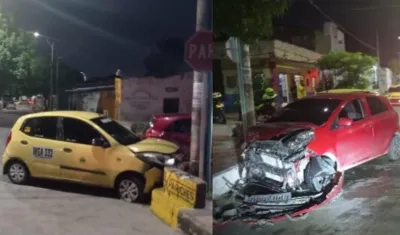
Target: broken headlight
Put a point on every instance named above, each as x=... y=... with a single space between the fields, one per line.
x=300 y=140
x=156 y=158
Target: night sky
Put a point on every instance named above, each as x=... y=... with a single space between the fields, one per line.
x=100 y=36
x=360 y=17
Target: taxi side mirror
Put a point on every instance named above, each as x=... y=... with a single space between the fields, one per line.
x=100 y=142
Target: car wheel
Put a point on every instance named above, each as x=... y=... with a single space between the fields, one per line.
x=394 y=149
x=130 y=189
x=18 y=173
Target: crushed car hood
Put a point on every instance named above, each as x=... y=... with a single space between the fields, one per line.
x=268 y=130
x=154 y=145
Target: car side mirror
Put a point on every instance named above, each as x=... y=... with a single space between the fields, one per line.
x=345 y=122
x=100 y=142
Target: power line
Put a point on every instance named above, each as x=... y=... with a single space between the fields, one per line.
x=342 y=28
x=375 y=7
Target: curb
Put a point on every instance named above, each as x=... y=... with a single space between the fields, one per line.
x=189 y=223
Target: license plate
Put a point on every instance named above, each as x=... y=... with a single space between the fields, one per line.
x=277 y=197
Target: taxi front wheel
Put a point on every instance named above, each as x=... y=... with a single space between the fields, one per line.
x=130 y=189
x=18 y=173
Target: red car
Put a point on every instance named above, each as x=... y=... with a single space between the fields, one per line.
x=295 y=161
x=172 y=127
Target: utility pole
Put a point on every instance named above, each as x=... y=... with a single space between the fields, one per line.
x=203 y=22
x=51 y=76
x=57 y=83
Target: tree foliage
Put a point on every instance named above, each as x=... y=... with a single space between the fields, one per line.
x=260 y=83
x=22 y=70
x=354 y=68
x=248 y=20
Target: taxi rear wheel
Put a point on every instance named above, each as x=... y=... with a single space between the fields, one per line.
x=18 y=173
x=130 y=189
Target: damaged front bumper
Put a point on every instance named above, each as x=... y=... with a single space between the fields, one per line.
x=278 y=178
x=261 y=209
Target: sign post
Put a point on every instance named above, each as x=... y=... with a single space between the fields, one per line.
x=198 y=54
x=118 y=88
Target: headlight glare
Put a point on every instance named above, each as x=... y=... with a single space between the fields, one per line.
x=157 y=158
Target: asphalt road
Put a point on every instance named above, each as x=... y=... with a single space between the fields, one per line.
x=49 y=208
x=368 y=205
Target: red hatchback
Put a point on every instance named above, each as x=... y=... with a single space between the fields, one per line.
x=345 y=130
x=173 y=127
x=300 y=154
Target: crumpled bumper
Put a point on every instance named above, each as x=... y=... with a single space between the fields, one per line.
x=233 y=206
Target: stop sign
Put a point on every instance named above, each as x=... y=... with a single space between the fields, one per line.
x=199 y=51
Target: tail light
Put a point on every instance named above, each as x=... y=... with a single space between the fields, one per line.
x=8 y=139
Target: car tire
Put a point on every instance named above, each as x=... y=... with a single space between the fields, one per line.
x=130 y=188
x=394 y=148
x=18 y=173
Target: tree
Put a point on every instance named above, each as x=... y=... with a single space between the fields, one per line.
x=167 y=60
x=16 y=55
x=355 y=68
x=247 y=20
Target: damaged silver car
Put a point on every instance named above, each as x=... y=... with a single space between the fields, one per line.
x=278 y=177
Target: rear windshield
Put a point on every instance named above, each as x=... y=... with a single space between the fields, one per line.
x=316 y=111
x=116 y=130
x=394 y=89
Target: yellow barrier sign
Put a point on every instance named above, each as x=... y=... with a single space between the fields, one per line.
x=118 y=88
x=186 y=187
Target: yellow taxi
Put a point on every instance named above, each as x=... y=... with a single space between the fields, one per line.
x=86 y=148
x=347 y=90
x=394 y=95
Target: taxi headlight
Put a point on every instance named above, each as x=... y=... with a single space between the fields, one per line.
x=156 y=158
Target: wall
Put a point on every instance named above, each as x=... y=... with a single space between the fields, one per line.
x=143 y=97
x=94 y=101
x=331 y=39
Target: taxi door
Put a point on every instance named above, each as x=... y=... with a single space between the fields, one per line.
x=40 y=146
x=87 y=162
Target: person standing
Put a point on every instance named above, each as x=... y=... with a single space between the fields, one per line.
x=301 y=90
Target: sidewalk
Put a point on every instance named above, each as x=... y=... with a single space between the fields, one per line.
x=226 y=148
x=197 y=221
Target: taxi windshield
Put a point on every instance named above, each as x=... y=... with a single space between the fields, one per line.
x=116 y=130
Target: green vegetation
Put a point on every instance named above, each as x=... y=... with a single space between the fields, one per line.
x=355 y=68
x=247 y=20
x=260 y=83
x=22 y=70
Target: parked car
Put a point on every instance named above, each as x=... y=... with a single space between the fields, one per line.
x=173 y=127
x=394 y=95
x=86 y=148
x=295 y=161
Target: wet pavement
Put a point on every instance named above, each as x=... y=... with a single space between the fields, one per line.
x=368 y=205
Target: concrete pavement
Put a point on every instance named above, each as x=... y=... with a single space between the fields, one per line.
x=50 y=208
x=369 y=205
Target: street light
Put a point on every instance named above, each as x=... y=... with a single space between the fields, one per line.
x=51 y=44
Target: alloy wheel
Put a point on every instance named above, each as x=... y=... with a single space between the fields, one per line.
x=128 y=190
x=17 y=172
